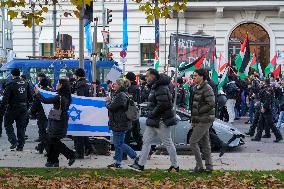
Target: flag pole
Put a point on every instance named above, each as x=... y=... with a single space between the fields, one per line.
x=176 y=66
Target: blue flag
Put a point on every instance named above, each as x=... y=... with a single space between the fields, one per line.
x=125 y=31
x=88 y=34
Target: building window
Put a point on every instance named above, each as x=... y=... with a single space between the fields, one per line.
x=147 y=53
x=47 y=49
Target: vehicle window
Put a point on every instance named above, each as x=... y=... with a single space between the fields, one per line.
x=49 y=72
x=102 y=73
x=67 y=72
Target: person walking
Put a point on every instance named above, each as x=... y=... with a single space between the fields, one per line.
x=14 y=105
x=57 y=129
x=231 y=91
x=119 y=123
x=202 y=118
x=133 y=91
x=82 y=144
x=160 y=118
x=266 y=119
x=37 y=111
x=281 y=99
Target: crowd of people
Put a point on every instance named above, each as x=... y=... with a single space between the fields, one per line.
x=262 y=100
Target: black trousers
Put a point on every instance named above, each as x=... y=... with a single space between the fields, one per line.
x=81 y=143
x=18 y=115
x=266 y=122
x=42 y=125
x=135 y=133
x=1 y=122
x=56 y=147
x=255 y=121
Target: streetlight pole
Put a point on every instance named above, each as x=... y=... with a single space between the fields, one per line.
x=54 y=27
x=33 y=29
x=81 y=36
x=176 y=66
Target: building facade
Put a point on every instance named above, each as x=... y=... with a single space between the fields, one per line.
x=228 y=21
x=6 y=43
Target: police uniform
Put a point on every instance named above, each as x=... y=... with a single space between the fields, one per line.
x=15 y=99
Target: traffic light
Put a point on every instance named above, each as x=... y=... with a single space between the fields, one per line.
x=109 y=16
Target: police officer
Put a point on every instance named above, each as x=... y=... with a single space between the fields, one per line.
x=15 y=101
x=82 y=88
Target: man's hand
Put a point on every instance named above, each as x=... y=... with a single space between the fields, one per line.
x=36 y=90
x=107 y=98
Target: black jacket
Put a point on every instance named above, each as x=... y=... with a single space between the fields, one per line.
x=17 y=94
x=160 y=106
x=134 y=92
x=145 y=90
x=57 y=129
x=36 y=107
x=117 y=107
x=231 y=90
x=266 y=98
x=82 y=88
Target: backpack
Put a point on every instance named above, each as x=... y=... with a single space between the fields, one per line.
x=132 y=112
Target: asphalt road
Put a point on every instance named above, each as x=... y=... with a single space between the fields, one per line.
x=264 y=155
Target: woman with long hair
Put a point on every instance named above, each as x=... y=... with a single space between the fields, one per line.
x=57 y=129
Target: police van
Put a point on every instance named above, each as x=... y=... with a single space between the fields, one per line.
x=54 y=69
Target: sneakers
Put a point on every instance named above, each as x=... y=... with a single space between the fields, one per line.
x=266 y=136
x=114 y=165
x=13 y=146
x=173 y=169
x=49 y=164
x=20 y=149
x=71 y=161
x=278 y=140
x=136 y=167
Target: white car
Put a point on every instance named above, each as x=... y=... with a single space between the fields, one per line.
x=181 y=133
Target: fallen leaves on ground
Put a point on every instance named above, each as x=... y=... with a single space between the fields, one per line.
x=86 y=180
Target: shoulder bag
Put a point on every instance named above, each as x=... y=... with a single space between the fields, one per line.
x=55 y=114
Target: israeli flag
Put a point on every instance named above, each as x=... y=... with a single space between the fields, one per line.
x=88 y=116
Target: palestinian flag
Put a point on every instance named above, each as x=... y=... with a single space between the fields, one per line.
x=157 y=61
x=224 y=79
x=271 y=66
x=260 y=71
x=257 y=67
x=250 y=64
x=214 y=67
x=243 y=58
x=222 y=64
x=277 y=72
x=196 y=64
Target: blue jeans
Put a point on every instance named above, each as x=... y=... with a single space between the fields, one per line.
x=280 y=120
x=120 y=147
x=251 y=111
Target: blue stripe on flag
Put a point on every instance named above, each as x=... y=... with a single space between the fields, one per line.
x=80 y=127
x=81 y=102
